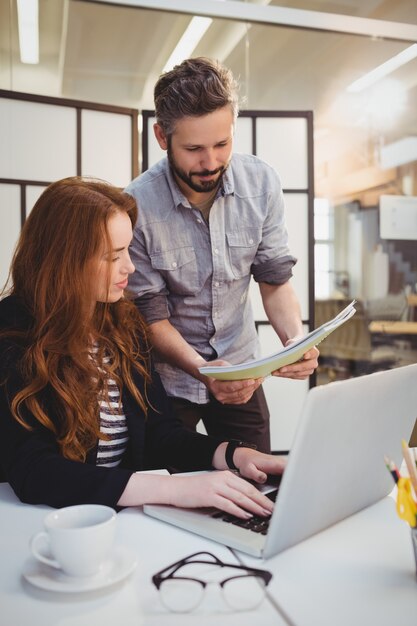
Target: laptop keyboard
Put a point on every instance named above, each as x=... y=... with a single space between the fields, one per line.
x=256 y=523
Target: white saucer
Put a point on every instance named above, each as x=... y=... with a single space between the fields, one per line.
x=119 y=565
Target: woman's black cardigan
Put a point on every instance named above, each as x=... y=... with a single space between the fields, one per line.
x=33 y=465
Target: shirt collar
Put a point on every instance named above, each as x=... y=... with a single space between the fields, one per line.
x=228 y=181
x=178 y=196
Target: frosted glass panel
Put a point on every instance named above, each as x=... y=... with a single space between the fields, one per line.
x=9 y=226
x=243 y=135
x=282 y=142
x=155 y=153
x=106 y=150
x=38 y=140
x=296 y=216
x=285 y=397
x=32 y=194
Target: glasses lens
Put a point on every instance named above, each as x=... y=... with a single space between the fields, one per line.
x=181 y=596
x=244 y=592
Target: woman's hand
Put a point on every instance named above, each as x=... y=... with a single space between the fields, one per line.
x=257 y=465
x=251 y=464
x=223 y=490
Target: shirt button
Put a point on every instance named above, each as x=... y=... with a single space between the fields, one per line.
x=216 y=251
x=216 y=314
x=174 y=264
x=198 y=220
x=216 y=284
x=250 y=241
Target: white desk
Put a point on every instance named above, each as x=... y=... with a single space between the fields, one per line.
x=360 y=572
x=133 y=602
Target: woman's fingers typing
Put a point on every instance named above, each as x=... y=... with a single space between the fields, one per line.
x=223 y=490
x=245 y=505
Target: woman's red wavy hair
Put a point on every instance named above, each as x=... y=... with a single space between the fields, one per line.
x=52 y=272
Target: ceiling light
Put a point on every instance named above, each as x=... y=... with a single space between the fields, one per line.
x=27 y=15
x=188 y=42
x=392 y=94
x=383 y=70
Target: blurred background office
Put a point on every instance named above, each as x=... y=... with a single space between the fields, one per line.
x=340 y=74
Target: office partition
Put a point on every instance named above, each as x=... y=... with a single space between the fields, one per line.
x=44 y=139
x=285 y=140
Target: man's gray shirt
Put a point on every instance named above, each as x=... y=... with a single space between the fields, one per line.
x=197 y=274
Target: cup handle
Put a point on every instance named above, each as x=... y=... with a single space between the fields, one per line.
x=34 y=543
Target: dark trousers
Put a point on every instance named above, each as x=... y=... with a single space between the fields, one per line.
x=247 y=422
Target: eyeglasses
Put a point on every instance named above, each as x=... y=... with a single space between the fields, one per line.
x=182 y=594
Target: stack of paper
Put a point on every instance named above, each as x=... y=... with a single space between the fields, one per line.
x=292 y=353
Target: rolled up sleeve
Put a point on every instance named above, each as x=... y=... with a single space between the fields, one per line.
x=147 y=285
x=273 y=262
x=275 y=271
x=154 y=307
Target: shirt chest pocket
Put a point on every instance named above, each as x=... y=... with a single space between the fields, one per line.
x=179 y=269
x=242 y=247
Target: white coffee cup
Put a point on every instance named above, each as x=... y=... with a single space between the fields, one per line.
x=78 y=538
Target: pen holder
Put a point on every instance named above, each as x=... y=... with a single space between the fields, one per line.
x=414 y=540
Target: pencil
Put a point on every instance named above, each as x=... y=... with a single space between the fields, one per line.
x=390 y=465
x=411 y=466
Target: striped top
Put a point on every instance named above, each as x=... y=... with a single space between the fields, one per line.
x=113 y=424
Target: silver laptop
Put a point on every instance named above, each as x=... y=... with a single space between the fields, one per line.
x=335 y=467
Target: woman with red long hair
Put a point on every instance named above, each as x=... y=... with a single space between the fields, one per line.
x=81 y=408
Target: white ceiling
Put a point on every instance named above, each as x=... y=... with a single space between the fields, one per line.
x=113 y=54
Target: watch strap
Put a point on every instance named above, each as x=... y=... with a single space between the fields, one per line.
x=230 y=450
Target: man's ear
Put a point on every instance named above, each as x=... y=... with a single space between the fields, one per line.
x=160 y=136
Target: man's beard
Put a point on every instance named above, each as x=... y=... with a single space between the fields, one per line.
x=202 y=186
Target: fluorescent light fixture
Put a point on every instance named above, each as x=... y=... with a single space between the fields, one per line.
x=188 y=42
x=28 y=21
x=383 y=70
x=392 y=94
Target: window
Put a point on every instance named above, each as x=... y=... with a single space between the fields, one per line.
x=323 y=248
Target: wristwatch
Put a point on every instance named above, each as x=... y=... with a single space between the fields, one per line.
x=230 y=450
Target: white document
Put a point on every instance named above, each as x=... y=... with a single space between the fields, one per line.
x=290 y=354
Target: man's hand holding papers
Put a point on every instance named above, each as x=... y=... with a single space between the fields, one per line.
x=302 y=369
x=297 y=358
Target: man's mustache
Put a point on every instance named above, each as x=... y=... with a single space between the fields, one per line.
x=208 y=172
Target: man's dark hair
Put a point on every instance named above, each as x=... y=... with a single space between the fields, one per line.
x=193 y=88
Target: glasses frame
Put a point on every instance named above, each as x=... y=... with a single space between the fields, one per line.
x=169 y=572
